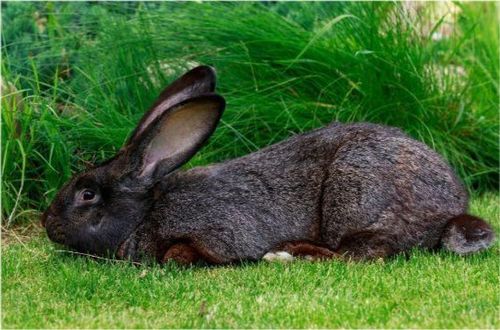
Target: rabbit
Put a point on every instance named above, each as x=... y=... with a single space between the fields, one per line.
x=360 y=191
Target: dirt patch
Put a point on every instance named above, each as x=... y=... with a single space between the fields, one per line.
x=21 y=233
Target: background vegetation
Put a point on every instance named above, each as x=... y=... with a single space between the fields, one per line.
x=76 y=77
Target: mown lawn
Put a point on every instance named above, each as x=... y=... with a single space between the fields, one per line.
x=43 y=287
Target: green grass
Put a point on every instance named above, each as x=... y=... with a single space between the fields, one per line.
x=45 y=288
x=81 y=76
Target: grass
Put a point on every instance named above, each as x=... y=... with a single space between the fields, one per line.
x=79 y=76
x=45 y=288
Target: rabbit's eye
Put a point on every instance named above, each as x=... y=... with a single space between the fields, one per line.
x=88 y=195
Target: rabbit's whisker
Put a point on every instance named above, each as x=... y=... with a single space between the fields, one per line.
x=97 y=257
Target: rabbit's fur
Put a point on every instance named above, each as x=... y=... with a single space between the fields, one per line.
x=357 y=190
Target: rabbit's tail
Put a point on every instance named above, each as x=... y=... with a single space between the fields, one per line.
x=466 y=234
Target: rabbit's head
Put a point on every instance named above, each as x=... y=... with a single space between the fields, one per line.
x=97 y=210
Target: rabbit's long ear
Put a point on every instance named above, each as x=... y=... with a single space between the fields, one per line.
x=176 y=135
x=198 y=81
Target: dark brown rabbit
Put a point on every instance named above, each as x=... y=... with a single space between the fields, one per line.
x=361 y=191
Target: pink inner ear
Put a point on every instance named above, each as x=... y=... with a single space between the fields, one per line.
x=179 y=133
x=196 y=82
x=159 y=109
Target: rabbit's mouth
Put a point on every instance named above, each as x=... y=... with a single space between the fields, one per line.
x=55 y=229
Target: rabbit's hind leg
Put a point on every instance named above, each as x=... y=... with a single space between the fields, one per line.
x=302 y=249
x=368 y=245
